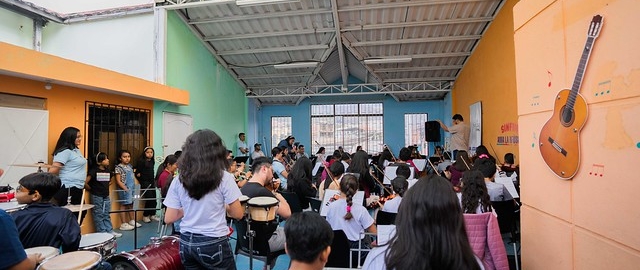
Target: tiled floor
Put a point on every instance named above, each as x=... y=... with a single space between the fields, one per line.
x=148 y=230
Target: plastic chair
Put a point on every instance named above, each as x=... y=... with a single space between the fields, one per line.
x=315 y=203
x=508 y=221
x=293 y=201
x=258 y=248
x=385 y=218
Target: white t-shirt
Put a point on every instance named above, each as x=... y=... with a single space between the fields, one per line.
x=206 y=216
x=241 y=144
x=375 y=259
x=352 y=228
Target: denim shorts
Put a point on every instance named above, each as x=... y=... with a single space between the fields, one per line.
x=126 y=197
x=204 y=252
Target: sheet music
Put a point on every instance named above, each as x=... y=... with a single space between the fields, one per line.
x=421 y=164
x=390 y=172
x=385 y=232
x=508 y=183
x=330 y=195
x=412 y=182
x=315 y=168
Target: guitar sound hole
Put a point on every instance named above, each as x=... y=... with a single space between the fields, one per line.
x=566 y=117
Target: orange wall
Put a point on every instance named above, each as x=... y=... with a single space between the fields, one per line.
x=66 y=106
x=591 y=221
x=489 y=76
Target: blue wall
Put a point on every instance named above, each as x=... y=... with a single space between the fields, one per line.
x=393 y=116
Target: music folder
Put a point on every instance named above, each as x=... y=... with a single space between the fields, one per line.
x=241 y=159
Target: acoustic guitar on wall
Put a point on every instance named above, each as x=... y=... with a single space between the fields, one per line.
x=559 y=138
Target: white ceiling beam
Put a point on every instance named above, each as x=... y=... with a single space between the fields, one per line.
x=278 y=49
x=270 y=86
x=414 y=24
x=417 y=68
x=438 y=55
x=414 y=40
x=409 y=80
x=404 y=4
x=269 y=34
x=274 y=75
x=343 y=60
x=355 y=89
x=180 y=4
x=323 y=59
x=318 y=11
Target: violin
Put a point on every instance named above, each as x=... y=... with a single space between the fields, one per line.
x=273 y=185
x=380 y=202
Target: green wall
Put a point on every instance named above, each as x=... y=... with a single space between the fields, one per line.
x=216 y=100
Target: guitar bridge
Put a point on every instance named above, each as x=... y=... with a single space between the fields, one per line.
x=557 y=147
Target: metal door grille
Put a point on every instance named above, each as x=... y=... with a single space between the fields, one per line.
x=110 y=128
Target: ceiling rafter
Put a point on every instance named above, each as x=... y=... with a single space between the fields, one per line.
x=414 y=24
x=427 y=68
x=400 y=80
x=414 y=40
x=354 y=89
x=318 y=11
x=269 y=34
x=404 y=5
x=275 y=49
x=343 y=59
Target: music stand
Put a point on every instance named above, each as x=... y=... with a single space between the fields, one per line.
x=241 y=159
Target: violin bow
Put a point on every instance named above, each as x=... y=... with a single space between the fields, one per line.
x=434 y=167
x=378 y=180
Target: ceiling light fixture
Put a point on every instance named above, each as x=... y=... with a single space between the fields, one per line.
x=245 y=3
x=296 y=65
x=387 y=60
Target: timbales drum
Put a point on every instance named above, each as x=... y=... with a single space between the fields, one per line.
x=103 y=243
x=77 y=260
x=46 y=252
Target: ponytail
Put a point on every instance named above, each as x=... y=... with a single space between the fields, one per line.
x=349 y=186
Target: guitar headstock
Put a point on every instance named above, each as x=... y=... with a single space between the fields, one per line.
x=594 y=28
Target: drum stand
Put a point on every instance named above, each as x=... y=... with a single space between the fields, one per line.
x=251 y=234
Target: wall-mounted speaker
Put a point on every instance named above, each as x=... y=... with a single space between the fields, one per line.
x=432 y=131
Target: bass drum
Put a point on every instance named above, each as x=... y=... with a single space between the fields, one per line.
x=161 y=254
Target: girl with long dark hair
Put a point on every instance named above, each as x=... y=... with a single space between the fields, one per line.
x=300 y=181
x=474 y=197
x=199 y=196
x=144 y=172
x=360 y=165
x=430 y=232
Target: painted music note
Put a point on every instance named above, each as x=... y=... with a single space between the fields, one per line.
x=550 y=78
x=533 y=144
x=597 y=169
x=603 y=88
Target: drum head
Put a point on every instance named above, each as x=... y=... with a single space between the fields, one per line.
x=46 y=252
x=93 y=239
x=243 y=199
x=72 y=260
x=263 y=201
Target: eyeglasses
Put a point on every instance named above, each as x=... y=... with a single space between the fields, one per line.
x=21 y=187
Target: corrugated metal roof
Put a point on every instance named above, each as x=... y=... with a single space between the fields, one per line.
x=438 y=36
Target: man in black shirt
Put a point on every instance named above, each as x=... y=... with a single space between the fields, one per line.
x=262 y=175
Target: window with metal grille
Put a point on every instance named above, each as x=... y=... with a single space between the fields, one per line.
x=347 y=125
x=280 y=129
x=111 y=128
x=414 y=129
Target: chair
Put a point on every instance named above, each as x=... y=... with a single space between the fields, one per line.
x=259 y=247
x=315 y=203
x=385 y=218
x=341 y=253
x=508 y=221
x=293 y=201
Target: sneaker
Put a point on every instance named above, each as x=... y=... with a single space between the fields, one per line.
x=116 y=234
x=155 y=218
x=126 y=227
x=134 y=223
x=146 y=219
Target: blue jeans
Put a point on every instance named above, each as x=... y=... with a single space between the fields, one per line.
x=101 y=217
x=203 y=252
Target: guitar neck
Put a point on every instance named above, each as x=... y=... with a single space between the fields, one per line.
x=577 y=82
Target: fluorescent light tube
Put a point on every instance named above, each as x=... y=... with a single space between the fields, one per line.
x=387 y=60
x=262 y=2
x=296 y=65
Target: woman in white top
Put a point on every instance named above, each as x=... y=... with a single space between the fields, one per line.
x=430 y=232
x=200 y=195
x=474 y=198
x=352 y=218
x=399 y=186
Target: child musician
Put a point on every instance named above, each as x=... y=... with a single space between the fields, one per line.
x=97 y=182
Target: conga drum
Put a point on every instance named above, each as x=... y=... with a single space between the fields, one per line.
x=77 y=260
x=161 y=254
x=262 y=208
x=46 y=252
